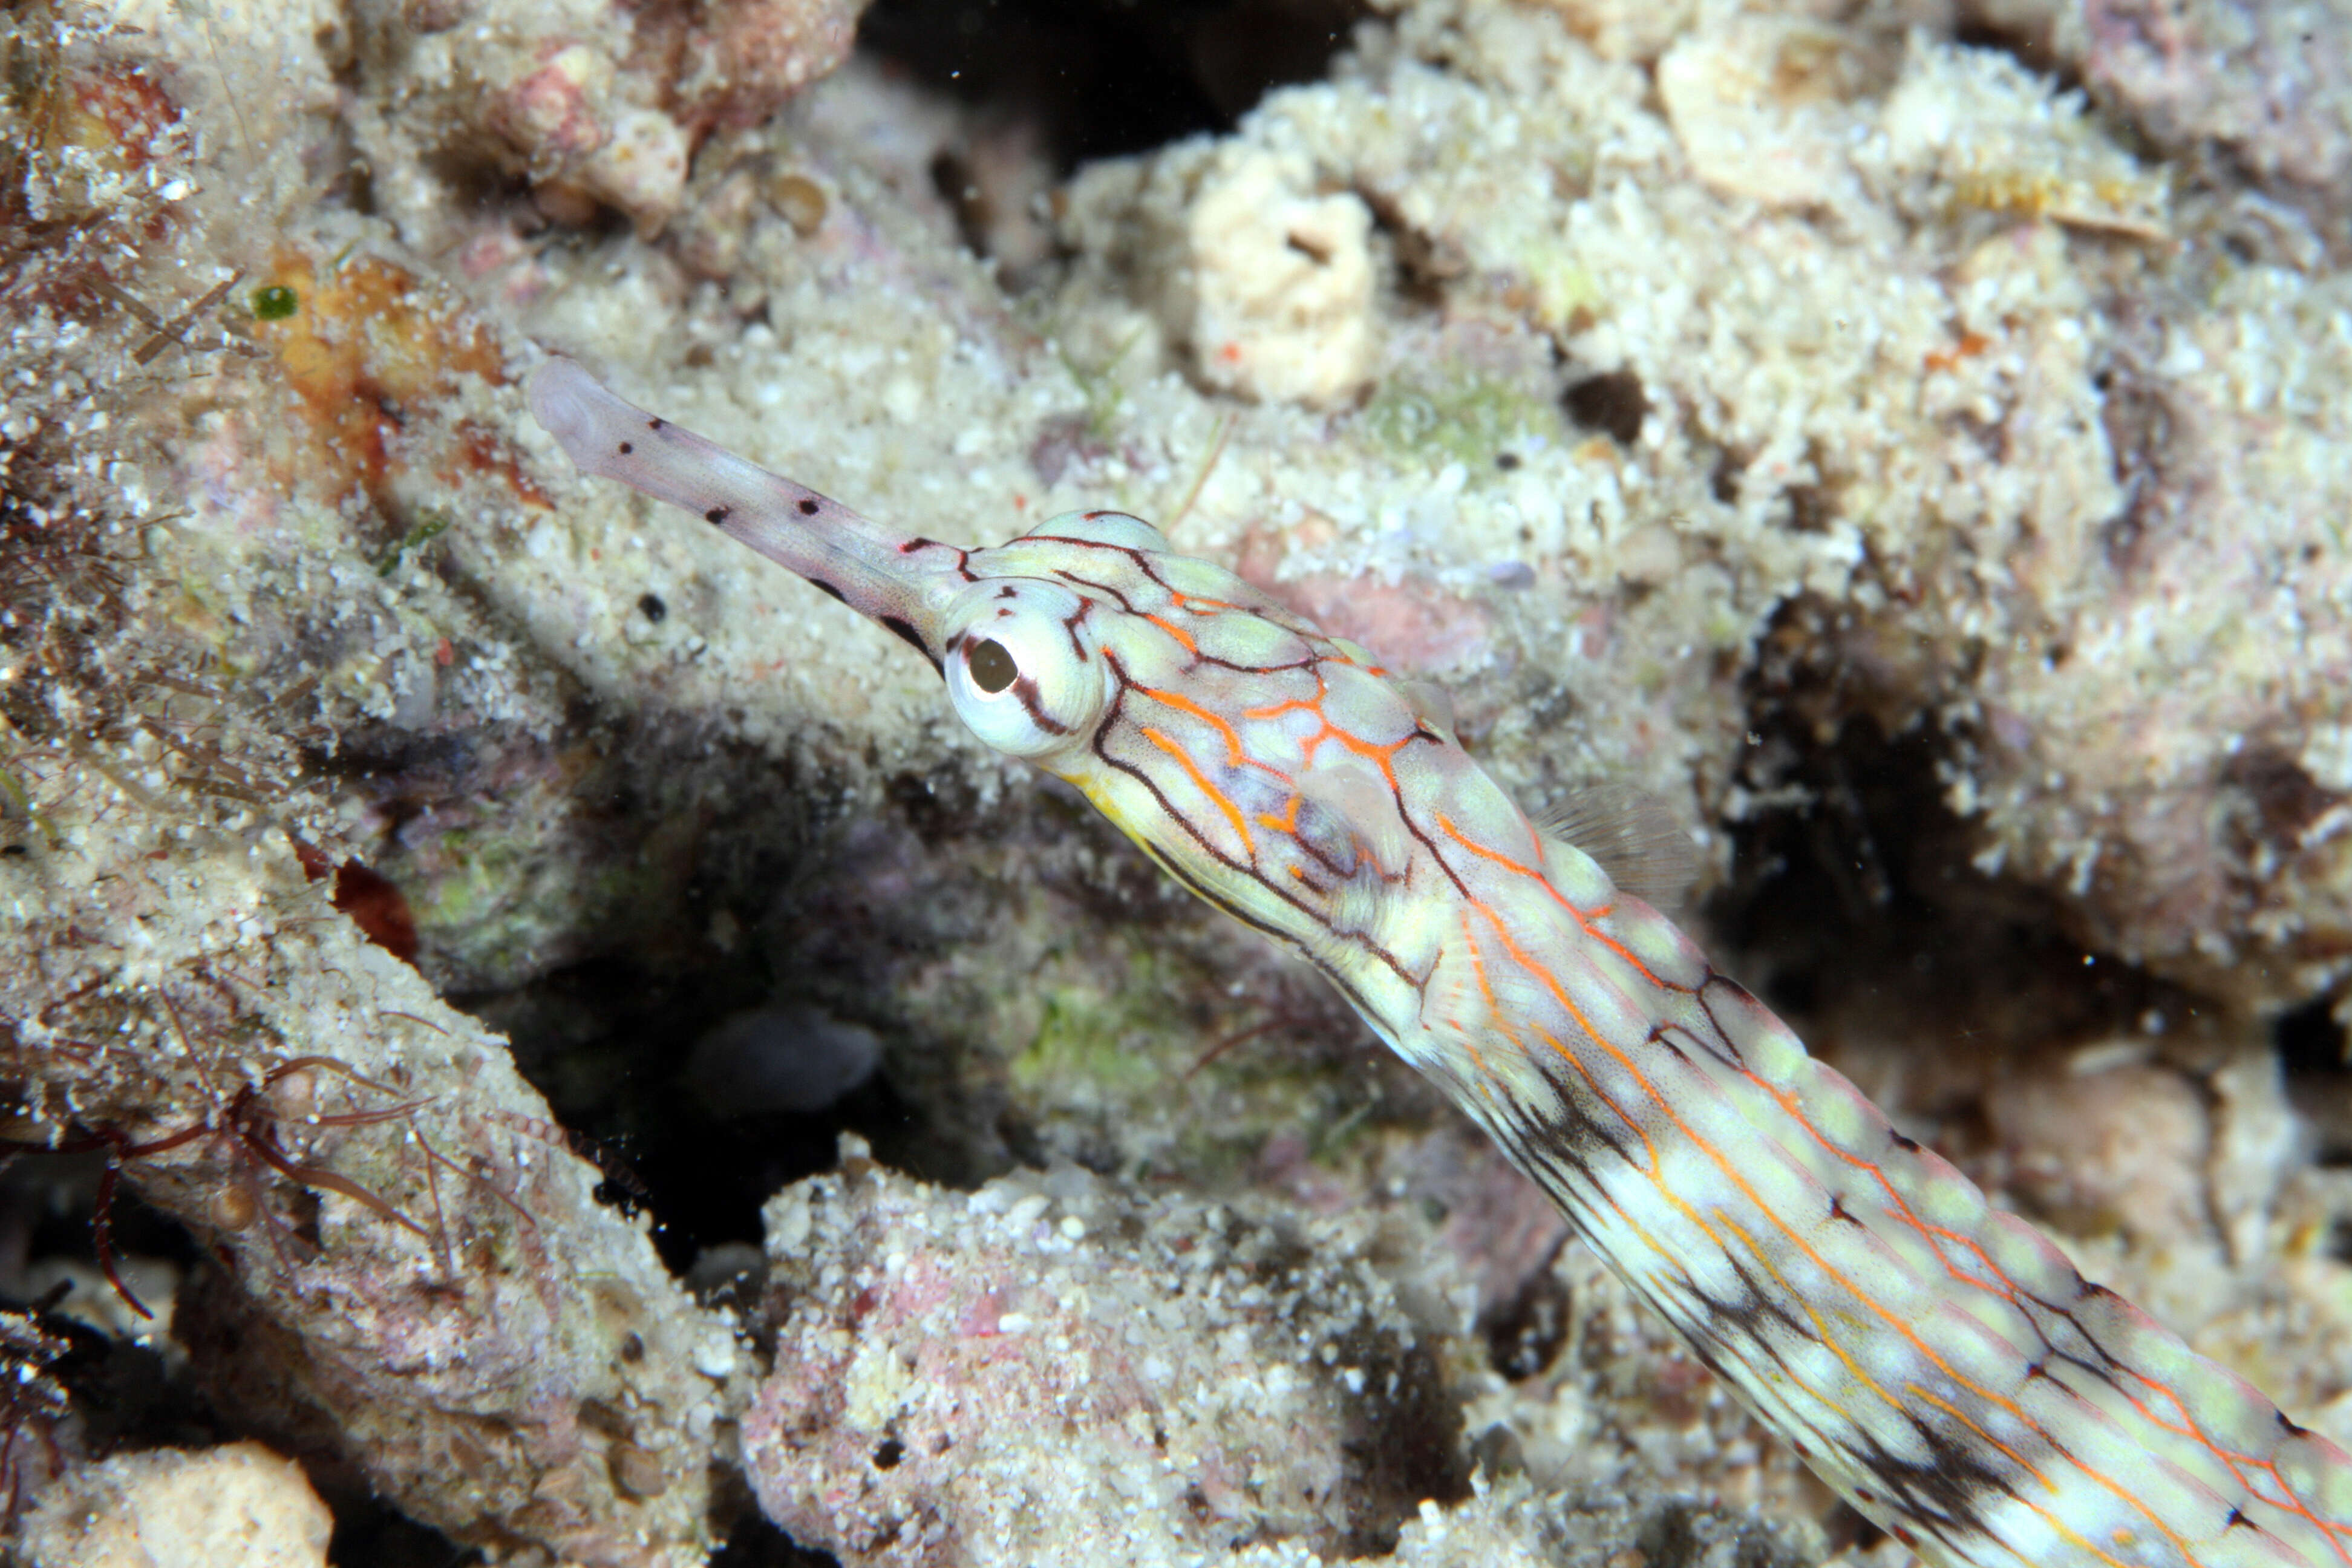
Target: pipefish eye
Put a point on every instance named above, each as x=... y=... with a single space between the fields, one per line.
x=993 y=668
x=1018 y=673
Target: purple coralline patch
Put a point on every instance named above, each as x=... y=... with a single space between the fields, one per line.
x=2265 y=84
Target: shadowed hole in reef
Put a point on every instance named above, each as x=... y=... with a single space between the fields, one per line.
x=1043 y=86
x=2311 y=1043
x=1525 y=1334
x=1106 y=78
x=1612 y=403
x=2028 y=41
x=1854 y=910
x=756 y=1544
x=1857 y=912
x=127 y=1393
x=130 y=1395
x=708 y=1059
x=368 y=1535
x=2312 y=1050
x=609 y=1042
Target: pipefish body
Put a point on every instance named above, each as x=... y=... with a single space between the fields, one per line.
x=1938 y=1362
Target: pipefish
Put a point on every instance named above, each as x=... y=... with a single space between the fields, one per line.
x=1938 y=1362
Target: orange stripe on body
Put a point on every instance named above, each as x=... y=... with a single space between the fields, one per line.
x=1287 y=823
x=1494 y=1013
x=1730 y=1170
x=1657 y=1249
x=1234 y=750
x=1797 y=1115
x=1173 y=630
x=1584 y=918
x=1445 y=826
x=1671 y=1260
x=1225 y=802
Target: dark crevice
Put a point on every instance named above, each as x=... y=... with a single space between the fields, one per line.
x=756 y=1544
x=2311 y=1043
x=1858 y=912
x=609 y=1042
x=1107 y=78
x=1525 y=1336
x=369 y=1532
x=1613 y=403
x=2029 y=45
x=2316 y=1056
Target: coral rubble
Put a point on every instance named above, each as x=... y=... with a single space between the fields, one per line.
x=1784 y=414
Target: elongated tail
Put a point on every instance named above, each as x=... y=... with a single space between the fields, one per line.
x=1939 y=1361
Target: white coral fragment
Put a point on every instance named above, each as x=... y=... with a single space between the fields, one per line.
x=1282 y=284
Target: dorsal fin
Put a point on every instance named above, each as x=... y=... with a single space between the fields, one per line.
x=1113 y=527
x=1633 y=836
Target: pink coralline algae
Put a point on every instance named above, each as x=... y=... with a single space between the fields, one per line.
x=1050 y=1369
x=2270 y=86
x=599 y=105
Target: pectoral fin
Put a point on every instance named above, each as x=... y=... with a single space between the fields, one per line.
x=1633 y=836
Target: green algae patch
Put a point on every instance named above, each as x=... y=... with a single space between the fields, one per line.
x=1085 y=1034
x=1470 y=421
x=430 y=527
x=1117 y=1062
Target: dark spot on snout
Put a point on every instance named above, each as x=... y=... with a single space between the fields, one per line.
x=652 y=424
x=627 y=448
x=911 y=637
x=717 y=514
x=808 y=508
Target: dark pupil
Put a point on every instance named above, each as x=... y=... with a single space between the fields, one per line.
x=993 y=668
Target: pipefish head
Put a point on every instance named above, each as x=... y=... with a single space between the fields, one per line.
x=1254 y=757
x=1263 y=765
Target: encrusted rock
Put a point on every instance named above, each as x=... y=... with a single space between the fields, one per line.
x=238 y=1504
